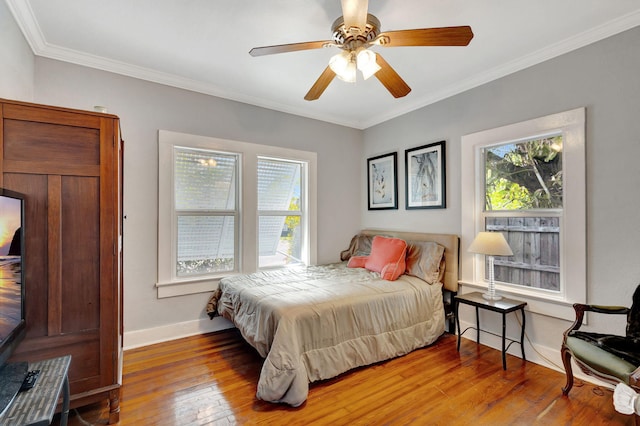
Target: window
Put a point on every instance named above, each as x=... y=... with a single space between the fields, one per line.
x=206 y=211
x=228 y=207
x=527 y=181
x=280 y=213
x=523 y=200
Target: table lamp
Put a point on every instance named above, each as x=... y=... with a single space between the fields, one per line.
x=491 y=244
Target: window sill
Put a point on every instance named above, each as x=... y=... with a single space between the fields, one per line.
x=183 y=288
x=551 y=306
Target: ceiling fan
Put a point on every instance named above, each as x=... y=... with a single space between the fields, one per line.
x=357 y=30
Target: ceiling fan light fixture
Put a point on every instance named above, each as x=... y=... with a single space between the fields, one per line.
x=366 y=60
x=344 y=65
x=357 y=30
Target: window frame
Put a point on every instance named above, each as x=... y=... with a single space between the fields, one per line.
x=573 y=283
x=168 y=284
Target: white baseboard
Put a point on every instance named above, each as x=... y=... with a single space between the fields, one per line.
x=137 y=338
x=538 y=354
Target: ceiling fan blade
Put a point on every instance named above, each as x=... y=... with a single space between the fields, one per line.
x=390 y=79
x=321 y=83
x=445 y=36
x=293 y=47
x=354 y=13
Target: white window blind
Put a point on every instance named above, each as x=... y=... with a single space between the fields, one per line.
x=280 y=214
x=206 y=211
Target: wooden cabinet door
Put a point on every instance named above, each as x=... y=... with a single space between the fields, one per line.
x=66 y=162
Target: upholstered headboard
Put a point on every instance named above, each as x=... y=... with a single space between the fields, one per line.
x=450 y=242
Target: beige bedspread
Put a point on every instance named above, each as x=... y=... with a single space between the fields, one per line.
x=313 y=323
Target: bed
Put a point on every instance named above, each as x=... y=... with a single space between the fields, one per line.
x=314 y=323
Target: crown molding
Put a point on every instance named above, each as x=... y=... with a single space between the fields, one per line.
x=25 y=18
x=586 y=38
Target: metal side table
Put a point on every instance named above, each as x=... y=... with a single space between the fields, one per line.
x=38 y=405
x=502 y=306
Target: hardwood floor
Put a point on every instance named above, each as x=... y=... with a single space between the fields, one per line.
x=211 y=380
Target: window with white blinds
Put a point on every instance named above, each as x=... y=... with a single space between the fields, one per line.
x=206 y=210
x=280 y=212
x=229 y=207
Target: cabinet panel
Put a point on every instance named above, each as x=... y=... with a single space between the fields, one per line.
x=80 y=253
x=41 y=142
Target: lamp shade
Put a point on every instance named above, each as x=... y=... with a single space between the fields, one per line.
x=490 y=243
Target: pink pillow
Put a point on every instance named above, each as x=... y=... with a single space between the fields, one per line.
x=387 y=257
x=357 y=261
x=392 y=271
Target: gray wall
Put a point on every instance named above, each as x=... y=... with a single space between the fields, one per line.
x=144 y=108
x=604 y=78
x=16 y=59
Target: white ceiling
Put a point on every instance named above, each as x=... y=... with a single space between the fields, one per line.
x=203 y=45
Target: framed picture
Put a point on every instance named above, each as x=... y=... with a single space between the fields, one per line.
x=382 y=182
x=425 y=176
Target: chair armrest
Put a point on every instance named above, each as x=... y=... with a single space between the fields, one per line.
x=634 y=379
x=581 y=308
x=601 y=309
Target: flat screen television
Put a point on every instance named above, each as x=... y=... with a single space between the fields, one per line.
x=12 y=293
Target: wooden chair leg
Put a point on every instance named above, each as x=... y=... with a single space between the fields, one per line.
x=566 y=360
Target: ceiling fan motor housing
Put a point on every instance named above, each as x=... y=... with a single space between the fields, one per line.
x=355 y=37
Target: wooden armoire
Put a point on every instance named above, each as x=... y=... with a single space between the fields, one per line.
x=68 y=164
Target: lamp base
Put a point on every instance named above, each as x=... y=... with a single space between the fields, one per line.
x=489 y=296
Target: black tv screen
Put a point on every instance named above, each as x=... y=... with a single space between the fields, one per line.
x=12 y=291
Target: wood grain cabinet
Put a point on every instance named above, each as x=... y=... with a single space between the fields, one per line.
x=68 y=164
